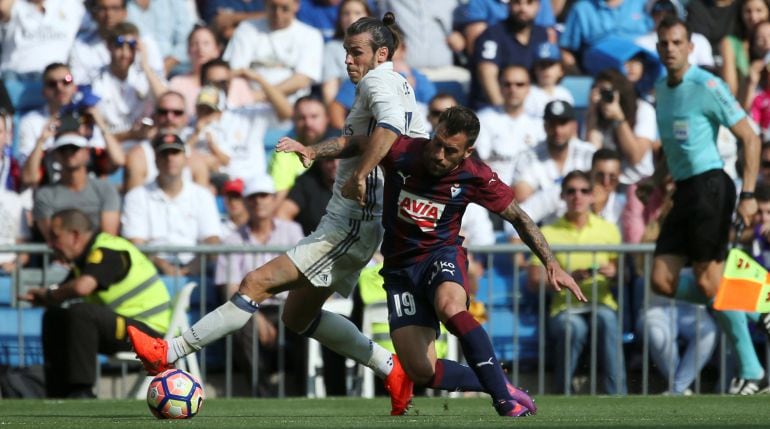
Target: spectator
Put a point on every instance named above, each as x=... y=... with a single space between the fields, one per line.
x=311 y=125
x=169 y=117
x=90 y=53
x=508 y=42
x=756 y=83
x=46 y=28
x=735 y=47
x=548 y=71
x=659 y=9
x=437 y=105
x=224 y=15
x=714 y=19
x=764 y=163
x=605 y=173
x=14 y=207
x=237 y=216
x=428 y=32
x=424 y=89
x=580 y=226
x=506 y=134
x=119 y=287
x=618 y=119
x=127 y=95
x=208 y=139
x=321 y=15
x=189 y=211
x=537 y=186
x=280 y=48
x=592 y=20
x=97 y=199
x=168 y=22
x=472 y=17
x=262 y=229
x=202 y=47
x=306 y=201
x=334 y=69
x=240 y=133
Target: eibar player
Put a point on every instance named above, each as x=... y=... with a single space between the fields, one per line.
x=428 y=185
x=691 y=105
x=330 y=259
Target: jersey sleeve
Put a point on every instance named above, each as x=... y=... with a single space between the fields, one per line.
x=382 y=101
x=492 y=194
x=107 y=266
x=722 y=104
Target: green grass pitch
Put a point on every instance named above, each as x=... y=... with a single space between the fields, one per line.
x=578 y=411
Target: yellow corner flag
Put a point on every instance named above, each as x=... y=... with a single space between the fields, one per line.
x=745 y=285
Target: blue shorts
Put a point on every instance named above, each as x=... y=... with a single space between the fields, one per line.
x=410 y=290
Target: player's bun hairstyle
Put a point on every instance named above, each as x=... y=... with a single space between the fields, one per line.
x=382 y=32
x=460 y=119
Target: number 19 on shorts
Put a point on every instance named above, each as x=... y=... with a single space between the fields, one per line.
x=404 y=304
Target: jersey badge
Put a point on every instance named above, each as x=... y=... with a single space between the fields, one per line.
x=455 y=190
x=403 y=176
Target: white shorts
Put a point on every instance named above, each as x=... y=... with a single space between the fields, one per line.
x=334 y=254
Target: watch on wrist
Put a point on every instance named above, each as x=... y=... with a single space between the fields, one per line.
x=745 y=195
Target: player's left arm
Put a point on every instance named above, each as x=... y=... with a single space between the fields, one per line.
x=751 y=150
x=532 y=237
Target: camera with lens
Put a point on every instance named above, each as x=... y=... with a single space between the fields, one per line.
x=607 y=95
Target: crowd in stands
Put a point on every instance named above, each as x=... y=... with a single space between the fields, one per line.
x=157 y=118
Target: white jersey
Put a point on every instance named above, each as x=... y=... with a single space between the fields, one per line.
x=384 y=99
x=504 y=138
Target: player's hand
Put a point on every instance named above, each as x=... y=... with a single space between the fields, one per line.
x=746 y=210
x=289 y=145
x=558 y=279
x=355 y=189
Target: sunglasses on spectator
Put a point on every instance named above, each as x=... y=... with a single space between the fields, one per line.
x=435 y=112
x=600 y=175
x=221 y=84
x=573 y=191
x=54 y=83
x=163 y=112
x=121 y=41
x=507 y=84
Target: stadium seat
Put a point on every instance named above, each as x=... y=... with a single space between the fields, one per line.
x=20 y=340
x=580 y=88
x=453 y=88
x=6 y=290
x=500 y=327
x=25 y=95
x=179 y=323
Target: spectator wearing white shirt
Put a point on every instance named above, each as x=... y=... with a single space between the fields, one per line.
x=548 y=71
x=168 y=22
x=279 y=47
x=506 y=134
x=618 y=119
x=14 y=207
x=171 y=210
x=605 y=173
x=127 y=94
x=37 y=33
x=538 y=184
x=89 y=53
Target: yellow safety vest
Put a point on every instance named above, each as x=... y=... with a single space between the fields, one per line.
x=370 y=287
x=141 y=295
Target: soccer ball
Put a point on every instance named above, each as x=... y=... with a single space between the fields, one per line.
x=175 y=394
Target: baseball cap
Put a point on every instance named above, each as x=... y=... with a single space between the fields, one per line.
x=260 y=184
x=654 y=6
x=209 y=97
x=167 y=141
x=559 y=110
x=547 y=52
x=233 y=186
x=70 y=139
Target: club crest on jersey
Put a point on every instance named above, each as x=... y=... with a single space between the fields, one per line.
x=419 y=210
x=455 y=190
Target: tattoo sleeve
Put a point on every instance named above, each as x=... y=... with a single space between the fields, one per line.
x=338 y=147
x=529 y=232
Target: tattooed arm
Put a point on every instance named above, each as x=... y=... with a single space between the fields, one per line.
x=534 y=239
x=336 y=147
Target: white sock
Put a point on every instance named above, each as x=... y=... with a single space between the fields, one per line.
x=228 y=317
x=342 y=336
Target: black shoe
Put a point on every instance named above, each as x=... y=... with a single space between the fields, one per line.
x=745 y=387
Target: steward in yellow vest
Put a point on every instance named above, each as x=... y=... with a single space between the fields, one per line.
x=118 y=286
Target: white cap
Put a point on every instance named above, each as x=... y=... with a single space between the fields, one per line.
x=70 y=139
x=260 y=184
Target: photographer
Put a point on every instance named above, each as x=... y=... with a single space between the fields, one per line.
x=617 y=119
